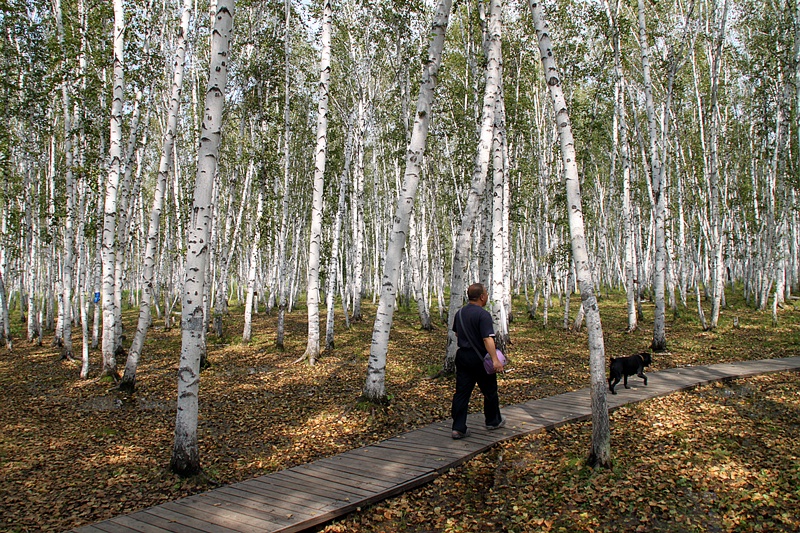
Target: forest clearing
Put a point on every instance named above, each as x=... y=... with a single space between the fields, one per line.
x=77 y=451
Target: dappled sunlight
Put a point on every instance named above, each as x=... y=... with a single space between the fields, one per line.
x=108 y=453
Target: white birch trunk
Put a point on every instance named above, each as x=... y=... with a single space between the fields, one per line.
x=717 y=276
x=622 y=122
x=659 y=194
x=478 y=185
x=69 y=193
x=129 y=377
x=226 y=256
x=252 y=270
x=417 y=276
x=600 y=454
x=320 y=158
x=375 y=386
x=358 y=229
x=110 y=206
x=499 y=289
x=333 y=263
x=282 y=282
x=185 y=452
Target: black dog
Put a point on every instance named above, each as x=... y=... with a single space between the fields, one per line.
x=622 y=367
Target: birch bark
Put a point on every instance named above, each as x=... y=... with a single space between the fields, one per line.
x=252 y=270
x=312 y=288
x=282 y=282
x=478 y=184
x=128 y=382
x=110 y=206
x=659 y=195
x=499 y=219
x=600 y=454
x=375 y=386
x=69 y=193
x=717 y=276
x=622 y=121
x=333 y=262
x=185 y=452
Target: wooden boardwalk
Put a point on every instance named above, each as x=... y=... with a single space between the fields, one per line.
x=308 y=495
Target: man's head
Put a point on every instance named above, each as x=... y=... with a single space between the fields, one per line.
x=477 y=294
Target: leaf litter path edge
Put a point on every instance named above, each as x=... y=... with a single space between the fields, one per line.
x=308 y=495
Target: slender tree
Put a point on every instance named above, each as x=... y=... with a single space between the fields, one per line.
x=128 y=382
x=478 y=185
x=320 y=158
x=600 y=454
x=110 y=205
x=375 y=386
x=185 y=452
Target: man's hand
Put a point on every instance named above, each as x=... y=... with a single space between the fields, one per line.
x=488 y=342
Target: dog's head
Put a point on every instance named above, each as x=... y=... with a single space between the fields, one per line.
x=646 y=359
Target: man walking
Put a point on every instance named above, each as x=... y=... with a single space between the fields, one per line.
x=475 y=331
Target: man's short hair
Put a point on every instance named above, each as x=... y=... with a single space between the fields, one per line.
x=475 y=290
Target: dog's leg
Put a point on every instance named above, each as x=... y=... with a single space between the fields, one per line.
x=625 y=382
x=641 y=375
x=612 y=383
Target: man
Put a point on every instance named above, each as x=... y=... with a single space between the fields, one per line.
x=475 y=331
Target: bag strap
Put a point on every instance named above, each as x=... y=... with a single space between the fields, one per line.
x=469 y=339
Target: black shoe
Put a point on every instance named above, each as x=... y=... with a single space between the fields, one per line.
x=459 y=435
x=499 y=425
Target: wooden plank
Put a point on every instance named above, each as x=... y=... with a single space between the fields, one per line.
x=569 y=405
x=357 y=469
x=424 y=445
x=275 y=505
x=418 y=460
x=277 y=481
x=478 y=439
x=165 y=523
x=398 y=474
x=198 y=515
x=328 y=484
x=443 y=454
x=382 y=469
x=182 y=519
x=557 y=405
x=550 y=418
x=351 y=478
x=230 y=516
x=135 y=525
x=390 y=475
x=239 y=510
x=278 y=503
x=322 y=477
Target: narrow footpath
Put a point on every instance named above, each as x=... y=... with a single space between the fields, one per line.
x=305 y=496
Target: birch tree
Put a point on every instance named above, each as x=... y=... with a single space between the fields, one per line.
x=282 y=284
x=128 y=382
x=478 y=185
x=600 y=454
x=69 y=193
x=109 y=345
x=185 y=452
x=659 y=194
x=320 y=158
x=375 y=386
x=252 y=269
x=717 y=277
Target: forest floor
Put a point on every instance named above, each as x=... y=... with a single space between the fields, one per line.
x=718 y=458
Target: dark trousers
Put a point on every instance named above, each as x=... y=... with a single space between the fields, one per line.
x=469 y=371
